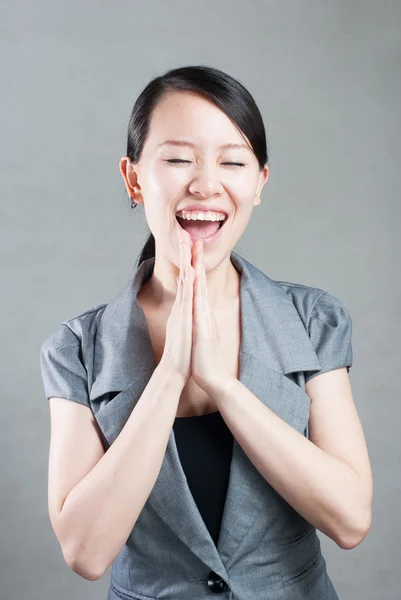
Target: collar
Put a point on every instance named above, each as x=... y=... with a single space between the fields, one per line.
x=272 y=330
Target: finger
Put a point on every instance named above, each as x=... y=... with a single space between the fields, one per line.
x=188 y=261
x=187 y=258
x=183 y=263
x=179 y=281
x=188 y=289
x=199 y=266
x=180 y=274
x=194 y=259
x=205 y=281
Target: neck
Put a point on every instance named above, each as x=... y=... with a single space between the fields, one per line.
x=160 y=290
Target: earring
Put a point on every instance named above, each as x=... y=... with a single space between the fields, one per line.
x=133 y=203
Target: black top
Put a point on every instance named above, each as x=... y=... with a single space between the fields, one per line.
x=205 y=445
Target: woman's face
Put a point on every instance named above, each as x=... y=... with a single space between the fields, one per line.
x=206 y=177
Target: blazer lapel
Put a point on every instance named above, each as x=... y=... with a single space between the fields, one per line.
x=274 y=343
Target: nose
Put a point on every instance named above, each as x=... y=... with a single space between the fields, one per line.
x=207 y=183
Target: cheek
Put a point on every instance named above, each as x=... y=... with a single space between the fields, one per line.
x=160 y=192
x=165 y=184
x=241 y=192
x=240 y=183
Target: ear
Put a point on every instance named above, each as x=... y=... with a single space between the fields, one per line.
x=263 y=177
x=130 y=177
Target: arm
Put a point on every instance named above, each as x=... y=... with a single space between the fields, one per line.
x=330 y=485
x=100 y=512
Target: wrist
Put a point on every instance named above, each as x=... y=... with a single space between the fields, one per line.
x=169 y=376
x=220 y=388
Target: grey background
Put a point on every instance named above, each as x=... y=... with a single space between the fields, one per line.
x=326 y=76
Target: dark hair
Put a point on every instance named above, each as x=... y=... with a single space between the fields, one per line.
x=227 y=93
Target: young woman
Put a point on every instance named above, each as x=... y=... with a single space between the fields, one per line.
x=202 y=422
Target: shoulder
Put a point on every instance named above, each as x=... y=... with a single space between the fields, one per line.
x=78 y=329
x=64 y=356
x=312 y=302
x=328 y=323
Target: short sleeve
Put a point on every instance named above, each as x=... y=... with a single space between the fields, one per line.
x=330 y=331
x=63 y=373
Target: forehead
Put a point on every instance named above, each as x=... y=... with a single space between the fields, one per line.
x=189 y=116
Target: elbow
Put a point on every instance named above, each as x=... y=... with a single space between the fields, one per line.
x=353 y=538
x=81 y=568
x=75 y=554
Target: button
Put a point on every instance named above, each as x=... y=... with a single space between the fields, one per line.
x=216 y=584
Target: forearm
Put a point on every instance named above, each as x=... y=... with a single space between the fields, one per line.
x=320 y=487
x=100 y=512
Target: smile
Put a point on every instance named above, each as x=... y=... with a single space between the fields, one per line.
x=196 y=233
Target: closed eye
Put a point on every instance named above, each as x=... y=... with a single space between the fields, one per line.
x=176 y=160
x=179 y=160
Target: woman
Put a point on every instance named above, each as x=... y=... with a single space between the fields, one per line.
x=212 y=428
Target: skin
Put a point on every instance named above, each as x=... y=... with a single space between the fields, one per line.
x=165 y=187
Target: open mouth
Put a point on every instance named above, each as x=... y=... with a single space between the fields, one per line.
x=180 y=220
x=201 y=230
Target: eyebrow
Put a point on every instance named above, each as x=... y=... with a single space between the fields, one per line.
x=190 y=145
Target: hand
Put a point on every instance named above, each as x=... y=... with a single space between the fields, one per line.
x=208 y=368
x=192 y=345
x=176 y=356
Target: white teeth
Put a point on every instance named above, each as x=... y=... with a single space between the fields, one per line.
x=200 y=216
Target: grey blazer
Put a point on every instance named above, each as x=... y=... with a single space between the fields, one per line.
x=266 y=550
